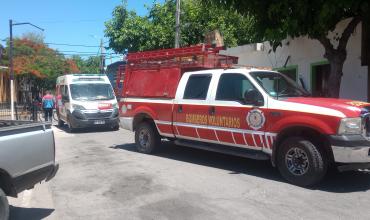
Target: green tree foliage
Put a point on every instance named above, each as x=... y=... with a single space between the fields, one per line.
x=127 y=30
x=89 y=65
x=275 y=20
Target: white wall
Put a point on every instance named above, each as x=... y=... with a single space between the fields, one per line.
x=303 y=52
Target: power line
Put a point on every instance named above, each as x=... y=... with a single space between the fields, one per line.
x=73 y=21
x=90 y=52
x=72 y=45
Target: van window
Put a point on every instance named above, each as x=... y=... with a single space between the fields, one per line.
x=64 y=92
x=232 y=87
x=91 y=91
x=197 y=87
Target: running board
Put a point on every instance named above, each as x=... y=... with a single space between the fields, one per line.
x=235 y=151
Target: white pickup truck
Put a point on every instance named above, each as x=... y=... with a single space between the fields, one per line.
x=27 y=157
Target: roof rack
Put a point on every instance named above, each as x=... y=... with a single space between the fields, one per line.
x=200 y=56
x=252 y=67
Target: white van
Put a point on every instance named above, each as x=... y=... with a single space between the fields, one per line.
x=86 y=100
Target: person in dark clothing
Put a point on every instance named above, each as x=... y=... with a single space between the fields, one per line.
x=48 y=105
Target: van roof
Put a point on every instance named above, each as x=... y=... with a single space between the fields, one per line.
x=81 y=78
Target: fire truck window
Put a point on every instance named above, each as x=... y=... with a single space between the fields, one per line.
x=197 y=87
x=232 y=87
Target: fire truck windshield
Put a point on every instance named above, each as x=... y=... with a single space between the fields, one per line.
x=278 y=85
x=91 y=91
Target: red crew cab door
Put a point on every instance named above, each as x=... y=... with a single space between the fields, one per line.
x=191 y=107
x=235 y=122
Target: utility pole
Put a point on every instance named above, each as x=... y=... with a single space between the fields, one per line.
x=102 y=58
x=11 y=69
x=177 y=35
x=11 y=24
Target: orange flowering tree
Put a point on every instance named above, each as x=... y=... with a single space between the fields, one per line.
x=33 y=58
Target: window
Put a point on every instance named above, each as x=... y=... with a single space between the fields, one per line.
x=232 y=87
x=291 y=73
x=65 y=94
x=197 y=87
x=278 y=85
x=92 y=91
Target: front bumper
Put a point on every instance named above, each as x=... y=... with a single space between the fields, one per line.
x=127 y=123
x=79 y=119
x=351 y=151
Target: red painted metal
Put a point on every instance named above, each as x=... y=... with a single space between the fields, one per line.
x=157 y=73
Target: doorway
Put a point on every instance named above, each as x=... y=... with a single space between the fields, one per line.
x=319 y=78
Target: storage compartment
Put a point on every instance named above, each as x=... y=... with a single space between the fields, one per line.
x=156 y=74
x=153 y=83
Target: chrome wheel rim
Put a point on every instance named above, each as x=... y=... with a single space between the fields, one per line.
x=144 y=137
x=297 y=161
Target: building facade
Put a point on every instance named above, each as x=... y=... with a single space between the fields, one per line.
x=302 y=59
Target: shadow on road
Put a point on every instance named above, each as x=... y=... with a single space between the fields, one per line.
x=334 y=182
x=86 y=130
x=29 y=213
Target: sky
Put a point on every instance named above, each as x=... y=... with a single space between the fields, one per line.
x=76 y=22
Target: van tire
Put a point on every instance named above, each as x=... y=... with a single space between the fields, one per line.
x=147 y=138
x=4 y=206
x=115 y=127
x=301 y=162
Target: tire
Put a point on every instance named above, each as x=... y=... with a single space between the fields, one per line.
x=301 y=162
x=4 y=206
x=115 y=127
x=147 y=138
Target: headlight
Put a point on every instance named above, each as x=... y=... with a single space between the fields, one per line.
x=350 y=126
x=77 y=107
x=115 y=105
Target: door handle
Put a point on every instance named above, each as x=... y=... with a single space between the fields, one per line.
x=212 y=110
x=179 y=109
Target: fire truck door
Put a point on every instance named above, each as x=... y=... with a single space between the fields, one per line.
x=235 y=122
x=191 y=108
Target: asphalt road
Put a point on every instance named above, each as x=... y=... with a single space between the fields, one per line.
x=101 y=176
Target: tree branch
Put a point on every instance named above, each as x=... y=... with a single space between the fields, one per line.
x=347 y=32
x=326 y=43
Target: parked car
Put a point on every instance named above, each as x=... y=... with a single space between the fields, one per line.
x=27 y=157
x=86 y=100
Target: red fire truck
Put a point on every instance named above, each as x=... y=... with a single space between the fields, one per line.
x=195 y=98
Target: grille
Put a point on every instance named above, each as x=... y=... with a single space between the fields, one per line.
x=98 y=115
x=367 y=125
x=366 y=120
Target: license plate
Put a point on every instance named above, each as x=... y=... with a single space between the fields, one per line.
x=99 y=122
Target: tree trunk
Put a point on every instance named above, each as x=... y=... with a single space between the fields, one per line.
x=336 y=73
x=336 y=57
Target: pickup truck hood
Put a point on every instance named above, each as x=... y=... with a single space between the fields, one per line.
x=349 y=108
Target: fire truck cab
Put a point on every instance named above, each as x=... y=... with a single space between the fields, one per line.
x=248 y=112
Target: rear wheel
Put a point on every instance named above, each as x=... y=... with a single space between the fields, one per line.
x=301 y=162
x=147 y=138
x=4 y=206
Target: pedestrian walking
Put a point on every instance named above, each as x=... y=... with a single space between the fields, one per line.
x=48 y=105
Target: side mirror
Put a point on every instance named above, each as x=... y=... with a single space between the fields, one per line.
x=253 y=97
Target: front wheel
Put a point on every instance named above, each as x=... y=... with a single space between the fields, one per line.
x=301 y=162
x=147 y=138
x=4 y=206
